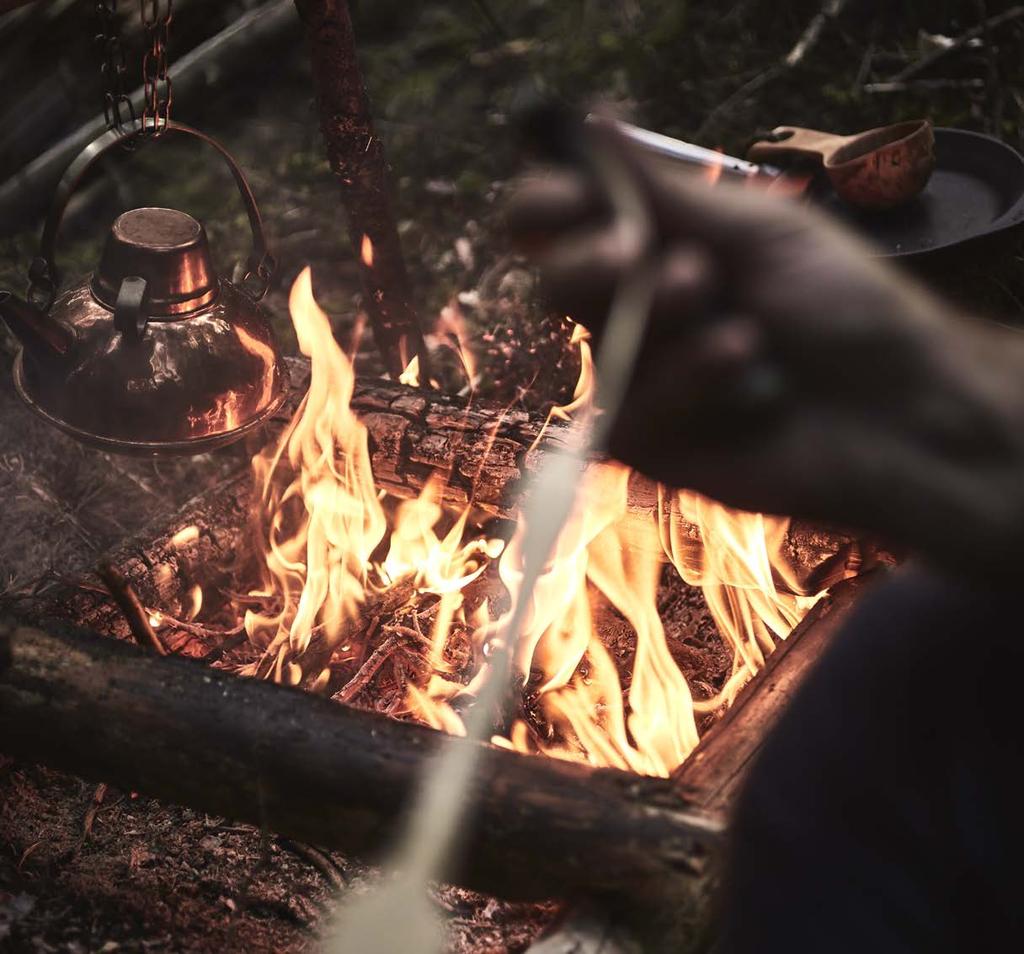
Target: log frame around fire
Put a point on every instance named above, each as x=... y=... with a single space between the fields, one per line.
x=317 y=771
x=657 y=870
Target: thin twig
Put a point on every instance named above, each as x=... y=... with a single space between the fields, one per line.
x=864 y=70
x=131 y=606
x=398 y=636
x=812 y=33
x=197 y=629
x=90 y=816
x=214 y=655
x=923 y=85
x=368 y=670
x=959 y=43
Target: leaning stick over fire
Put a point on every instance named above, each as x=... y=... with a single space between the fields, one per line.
x=129 y=603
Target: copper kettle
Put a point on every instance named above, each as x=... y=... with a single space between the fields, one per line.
x=154 y=354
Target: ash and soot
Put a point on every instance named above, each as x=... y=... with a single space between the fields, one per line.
x=351 y=578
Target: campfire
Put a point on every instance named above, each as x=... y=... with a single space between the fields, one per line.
x=316 y=626
x=354 y=583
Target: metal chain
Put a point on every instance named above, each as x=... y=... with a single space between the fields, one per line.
x=156 y=107
x=117 y=105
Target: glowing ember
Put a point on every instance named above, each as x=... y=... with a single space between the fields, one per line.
x=366 y=251
x=331 y=544
x=185 y=536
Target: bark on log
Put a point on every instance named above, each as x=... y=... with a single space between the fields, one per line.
x=334 y=776
x=485 y=454
x=356 y=155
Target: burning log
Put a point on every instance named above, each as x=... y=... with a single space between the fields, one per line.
x=485 y=454
x=413 y=434
x=356 y=155
x=331 y=775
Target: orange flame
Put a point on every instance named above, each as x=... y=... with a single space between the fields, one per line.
x=323 y=524
x=366 y=251
x=411 y=374
x=451 y=326
x=713 y=172
x=319 y=504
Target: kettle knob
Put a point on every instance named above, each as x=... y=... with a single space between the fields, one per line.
x=156 y=259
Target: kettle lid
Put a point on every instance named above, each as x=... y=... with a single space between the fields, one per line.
x=166 y=248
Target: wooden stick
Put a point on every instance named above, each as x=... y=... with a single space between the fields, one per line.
x=717 y=767
x=356 y=155
x=130 y=604
x=326 y=774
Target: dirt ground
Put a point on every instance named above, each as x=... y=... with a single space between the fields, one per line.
x=129 y=873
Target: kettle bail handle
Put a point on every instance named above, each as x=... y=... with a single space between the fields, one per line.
x=43 y=274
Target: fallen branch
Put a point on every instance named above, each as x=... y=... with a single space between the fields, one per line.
x=323 y=773
x=807 y=41
x=997 y=20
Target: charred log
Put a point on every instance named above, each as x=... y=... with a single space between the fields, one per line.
x=328 y=774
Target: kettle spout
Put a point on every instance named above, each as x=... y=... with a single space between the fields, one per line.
x=42 y=338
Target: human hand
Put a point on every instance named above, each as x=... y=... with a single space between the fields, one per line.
x=788 y=371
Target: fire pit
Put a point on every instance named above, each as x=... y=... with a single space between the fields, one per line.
x=367 y=559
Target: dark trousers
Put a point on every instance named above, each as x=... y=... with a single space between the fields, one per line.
x=886 y=811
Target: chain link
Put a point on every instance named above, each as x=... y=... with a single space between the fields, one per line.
x=156 y=106
x=117 y=105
